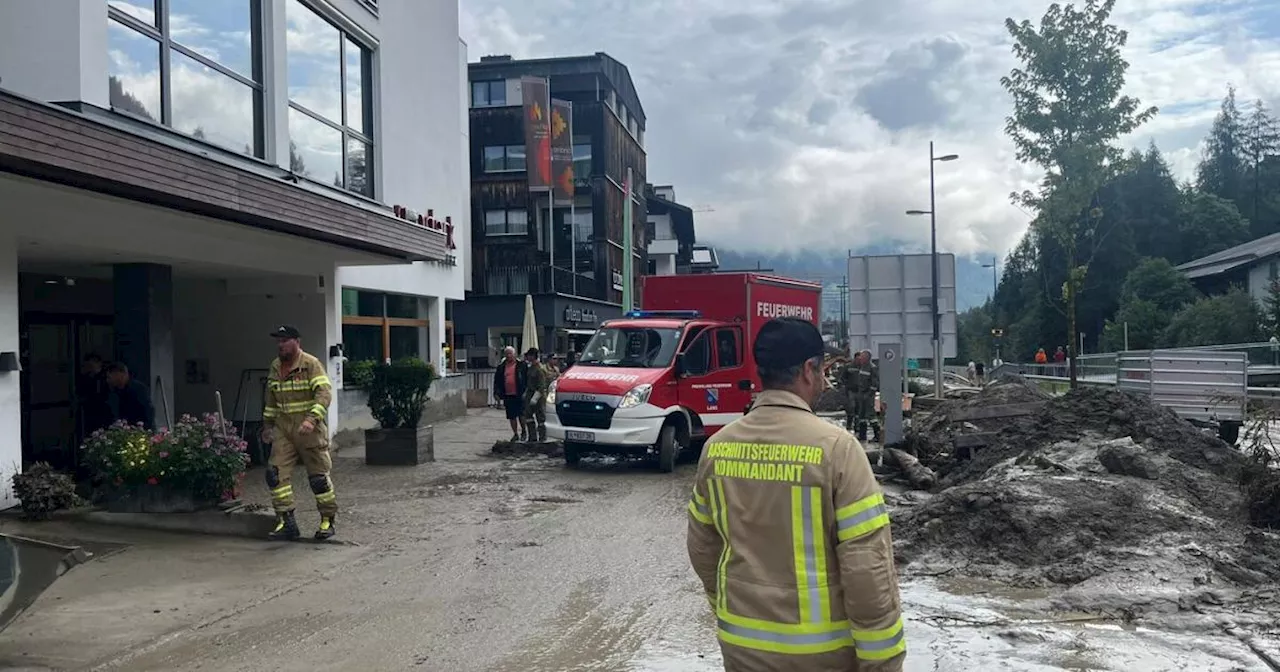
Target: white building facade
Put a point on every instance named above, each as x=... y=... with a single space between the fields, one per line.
x=178 y=177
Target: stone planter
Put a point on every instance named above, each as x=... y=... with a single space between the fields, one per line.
x=399 y=447
x=153 y=499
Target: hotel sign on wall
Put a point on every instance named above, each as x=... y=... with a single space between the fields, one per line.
x=429 y=221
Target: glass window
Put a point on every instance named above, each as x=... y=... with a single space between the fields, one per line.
x=642 y=347
x=134 y=71
x=727 y=355
x=515 y=157
x=358 y=167
x=350 y=298
x=583 y=225
x=489 y=94
x=354 y=71
x=405 y=342
x=142 y=10
x=212 y=106
x=362 y=342
x=399 y=305
x=370 y=304
x=219 y=30
x=498 y=158
x=503 y=222
x=581 y=160
x=495 y=159
x=697 y=357
x=209 y=86
x=315 y=148
x=330 y=101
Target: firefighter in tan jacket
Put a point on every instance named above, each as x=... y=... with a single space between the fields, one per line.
x=293 y=419
x=788 y=529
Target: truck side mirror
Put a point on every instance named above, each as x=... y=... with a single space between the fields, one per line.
x=679 y=366
x=744 y=385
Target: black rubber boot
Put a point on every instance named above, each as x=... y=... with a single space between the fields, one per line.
x=327 y=529
x=286 y=528
x=862 y=431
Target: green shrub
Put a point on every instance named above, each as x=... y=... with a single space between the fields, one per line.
x=398 y=392
x=43 y=491
x=196 y=456
x=358 y=374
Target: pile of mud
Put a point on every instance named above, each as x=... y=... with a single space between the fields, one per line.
x=1098 y=486
x=930 y=437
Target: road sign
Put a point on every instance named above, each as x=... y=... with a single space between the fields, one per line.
x=890 y=299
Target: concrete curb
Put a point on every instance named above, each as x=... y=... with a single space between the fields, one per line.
x=251 y=524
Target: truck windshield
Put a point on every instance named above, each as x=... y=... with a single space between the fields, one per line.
x=633 y=347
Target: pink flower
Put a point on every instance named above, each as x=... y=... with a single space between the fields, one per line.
x=152 y=480
x=164 y=454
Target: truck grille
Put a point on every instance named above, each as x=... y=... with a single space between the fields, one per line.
x=588 y=414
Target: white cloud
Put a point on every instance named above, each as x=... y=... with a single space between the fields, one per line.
x=805 y=123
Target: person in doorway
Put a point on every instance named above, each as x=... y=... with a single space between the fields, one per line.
x=535 y=396
x=130 y=401
x=93 y=393
x=810 y=583
x=509 y=382
x=294 y=423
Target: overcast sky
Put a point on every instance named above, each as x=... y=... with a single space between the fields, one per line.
x=806 y=123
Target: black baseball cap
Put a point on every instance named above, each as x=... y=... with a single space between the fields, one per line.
x=784 y=342
x=286 y=331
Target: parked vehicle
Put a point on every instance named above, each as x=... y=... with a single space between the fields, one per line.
x=669 y=375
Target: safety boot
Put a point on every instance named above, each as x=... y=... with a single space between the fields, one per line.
x=326 y=529
x=286 y=528
x=542 y=433
x=862 y=431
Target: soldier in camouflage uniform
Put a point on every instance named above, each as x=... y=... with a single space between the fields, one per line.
x=535 y=394
x=859 y=382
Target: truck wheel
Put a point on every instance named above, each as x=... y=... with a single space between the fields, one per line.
x=572 y=454
x=1229 y=431
x=668 y=449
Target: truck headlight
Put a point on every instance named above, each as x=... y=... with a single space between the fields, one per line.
x=551 y=393
x=636 y=396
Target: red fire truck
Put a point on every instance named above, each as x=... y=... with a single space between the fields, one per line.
x=674 y=372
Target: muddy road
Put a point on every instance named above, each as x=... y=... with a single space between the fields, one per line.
x=486 y=564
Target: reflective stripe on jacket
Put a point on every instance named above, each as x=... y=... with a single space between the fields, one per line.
x=300 y=392
x=789 y=533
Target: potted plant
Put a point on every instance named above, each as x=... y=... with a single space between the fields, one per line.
x=195 y=465
x=42 y=490
x=397 y=397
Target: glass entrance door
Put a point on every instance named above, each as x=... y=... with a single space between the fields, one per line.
x=52 y=349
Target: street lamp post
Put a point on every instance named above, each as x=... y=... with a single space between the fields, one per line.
x=933 y=247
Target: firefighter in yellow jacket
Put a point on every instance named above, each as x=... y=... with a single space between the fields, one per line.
x=294 y=422
x=788 y=529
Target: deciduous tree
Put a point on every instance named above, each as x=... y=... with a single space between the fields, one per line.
x=1068 y=111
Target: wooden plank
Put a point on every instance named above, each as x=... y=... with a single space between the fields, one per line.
x=973 y=440
x=1001 y=411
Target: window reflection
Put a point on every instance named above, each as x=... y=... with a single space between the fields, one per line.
x=315 y=77
x=134 y=71
x=220 y=30
x=358 y=167
x=315 y=148
x=142 y=10
x=212 y=106
x=355 y=87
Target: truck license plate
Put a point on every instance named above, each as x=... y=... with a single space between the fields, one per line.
x=580 y=436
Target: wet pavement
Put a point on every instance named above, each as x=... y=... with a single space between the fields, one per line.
x=486 y=564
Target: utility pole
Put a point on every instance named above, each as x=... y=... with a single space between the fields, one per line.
x=933 y=253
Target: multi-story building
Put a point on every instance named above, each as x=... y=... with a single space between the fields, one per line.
x=179 y=177
x=571 y=260
x=669 y=232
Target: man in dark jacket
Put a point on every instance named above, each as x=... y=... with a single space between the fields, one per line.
x=93 y=393
x=509 y=382
x=130 y=400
